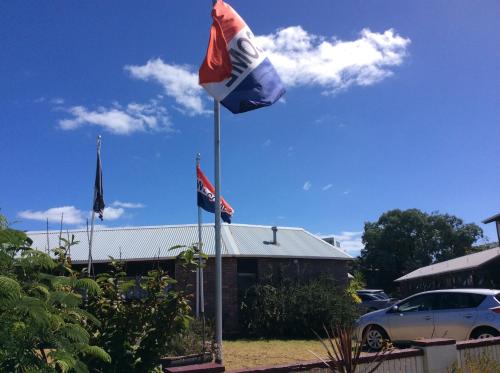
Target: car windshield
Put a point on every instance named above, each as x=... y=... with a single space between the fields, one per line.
x=381 y=295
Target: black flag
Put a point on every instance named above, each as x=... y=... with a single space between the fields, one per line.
x=98 y=190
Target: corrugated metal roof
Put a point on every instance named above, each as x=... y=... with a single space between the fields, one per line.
x=138 y=243
x=458 y=264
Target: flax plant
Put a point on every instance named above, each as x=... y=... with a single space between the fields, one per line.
x=344 y=351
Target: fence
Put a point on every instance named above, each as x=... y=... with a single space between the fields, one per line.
x=437 y=355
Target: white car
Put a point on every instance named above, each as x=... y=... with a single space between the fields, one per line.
x=455 y=313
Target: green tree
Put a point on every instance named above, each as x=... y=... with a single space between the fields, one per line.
x=402 y=241
x=42 y=324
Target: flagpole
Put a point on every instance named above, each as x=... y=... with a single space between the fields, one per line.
x=218 y=260
x=89 y=264
x=198 y=157
x=200 y=297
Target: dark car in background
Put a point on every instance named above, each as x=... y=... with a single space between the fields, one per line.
x=374 y=299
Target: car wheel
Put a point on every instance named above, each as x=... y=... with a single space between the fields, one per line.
x=484 y=332
x=374 y=337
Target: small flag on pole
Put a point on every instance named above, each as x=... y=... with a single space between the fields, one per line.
x=98 y=189
x=206 y=197
x=235 y=71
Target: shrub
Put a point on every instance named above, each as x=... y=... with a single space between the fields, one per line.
x=190 y=340
x=293 y=310
x=142 y=319
x=42 y=322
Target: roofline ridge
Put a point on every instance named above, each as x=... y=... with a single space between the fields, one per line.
x=138 y=227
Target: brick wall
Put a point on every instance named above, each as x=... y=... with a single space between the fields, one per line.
x=303 y=268
x=187 y=281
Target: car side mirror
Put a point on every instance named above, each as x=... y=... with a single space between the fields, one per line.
x=395 y=308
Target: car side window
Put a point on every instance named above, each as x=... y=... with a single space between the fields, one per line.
x=453 y=301
x=418 y=303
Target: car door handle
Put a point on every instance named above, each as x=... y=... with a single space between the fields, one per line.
x=468 y=316
x=427 y=317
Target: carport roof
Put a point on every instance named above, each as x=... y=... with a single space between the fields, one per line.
x=453 y=265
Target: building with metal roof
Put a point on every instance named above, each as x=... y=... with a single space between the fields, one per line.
x=474 y=270
x=153 y=242
x=250 y=254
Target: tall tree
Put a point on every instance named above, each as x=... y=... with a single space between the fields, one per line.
x=402 y=241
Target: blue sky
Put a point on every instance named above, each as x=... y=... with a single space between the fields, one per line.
x=389 y=105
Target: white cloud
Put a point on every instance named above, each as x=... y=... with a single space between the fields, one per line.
x=307 y=185
x=128 y=205
x=57 y=101
x=111 y=213
x=71 y=215
x=302 y=58
x=350 y=241
x=178 y=81
x=346 y=192
x=120 y=120
x=267 y=143
x=326 y=187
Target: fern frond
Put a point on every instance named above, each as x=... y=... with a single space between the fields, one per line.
x=63 y=360
x=98 y=353
x=66 y=299
x=80 y=367
x=9 y=289
x=38 y=259
x=60 y=281
x=75 y=333
x=41 y=291
x=89 y=285
x=56 y=321
x=35 y=309
x=84 y=314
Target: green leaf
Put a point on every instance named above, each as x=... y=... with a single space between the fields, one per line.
x=66 y=299
x=75 y=333
x=98 y=353
x=41 y=291
x=84 y=314
x=89 y=285
x=9 y=288
x=80 y=367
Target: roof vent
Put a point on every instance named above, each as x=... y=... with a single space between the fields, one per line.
x=275 y=240
x=275 y=231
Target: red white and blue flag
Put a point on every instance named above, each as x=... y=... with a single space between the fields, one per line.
x=206 y=197
x=235 y=71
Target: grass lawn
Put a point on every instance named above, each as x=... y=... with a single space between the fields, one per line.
x=248 y=353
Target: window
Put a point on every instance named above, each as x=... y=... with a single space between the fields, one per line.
x=364 y=297
x=450 y=301
x=418 y=303
x=381 y=295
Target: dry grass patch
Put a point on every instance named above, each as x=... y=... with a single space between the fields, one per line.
x=249 y=353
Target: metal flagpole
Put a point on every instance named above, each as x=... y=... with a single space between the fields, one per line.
x=48 y=242
x=218 y=261
x=199 y=242
x=89 y=265
x=200 y=298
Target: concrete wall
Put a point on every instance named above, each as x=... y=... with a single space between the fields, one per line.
x=426 y=356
